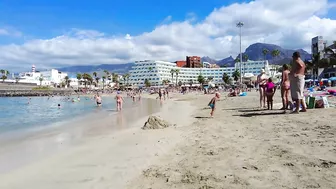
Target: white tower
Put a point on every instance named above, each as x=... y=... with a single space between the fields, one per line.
x=33 y=68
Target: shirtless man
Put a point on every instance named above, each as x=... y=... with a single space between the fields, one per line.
x=285 y=86
x=297 y=82
x=98 y=100
x=261 y=80
x=119 y=101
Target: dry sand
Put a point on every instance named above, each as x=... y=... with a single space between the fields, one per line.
x=242 y=147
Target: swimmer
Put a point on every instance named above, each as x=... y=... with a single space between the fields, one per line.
x=98 y=100
x=212 y=103
x=59 y=106
x=119 y=100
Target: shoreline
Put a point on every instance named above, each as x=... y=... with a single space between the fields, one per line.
x=65 y=134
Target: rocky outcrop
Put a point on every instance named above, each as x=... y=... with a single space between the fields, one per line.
x=155 y=122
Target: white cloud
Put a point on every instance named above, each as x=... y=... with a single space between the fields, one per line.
x=7 y=31
x=290 y=24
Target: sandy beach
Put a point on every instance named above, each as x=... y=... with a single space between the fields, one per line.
x=241 y=147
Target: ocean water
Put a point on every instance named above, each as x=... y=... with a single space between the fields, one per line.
x=17 y=114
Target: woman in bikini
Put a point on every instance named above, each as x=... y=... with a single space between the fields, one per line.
x=119 y=100
x=261 y=80
x=285 y=86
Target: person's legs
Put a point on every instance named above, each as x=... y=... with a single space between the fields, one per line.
x=261 y=96
x=212 y=111
x=271 y=101
x=283 y=98
x=286 y=93
x=264 y=97
x=268 y=101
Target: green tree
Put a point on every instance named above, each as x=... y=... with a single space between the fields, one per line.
x=177 y=71
x=245 y=59
x=172 y=72
x=127 y=76
x=225 y=78
x=67 y=81
x=79 y=77
x=41 y=79
x=210 y=78
x=97 y=81
x=104 y=78
x=94 y=74
x=275 y=53
x=265 y=52
x=3 y=77
x=236 y=75
x=191 y=82
x=17 y=79
x=201 y=79
x=147 y=83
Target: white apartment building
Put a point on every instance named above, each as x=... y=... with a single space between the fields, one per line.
x=49 y=78
x=254 y=67
x=158 y=71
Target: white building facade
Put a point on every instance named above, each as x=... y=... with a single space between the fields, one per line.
x=158 y=71
x=254 y=67
x=51 y=77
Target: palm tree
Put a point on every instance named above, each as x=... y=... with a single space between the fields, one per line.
x=41 y=79
x=2 y=72
x=67 y=81
x=177 y=71
x=226 y=78
x=210 y=78
x=87 y=78
x=79 y=77
x=104 y=78
x=3 y=77
x=172 y=71
x=245 y=59
x=97 y=81
x=236 y=75
x=17 y=79
x=127 y=76
x=265 y=52
x=275 y=53
x=147 y=83
x=191 y=82
x=201 y=79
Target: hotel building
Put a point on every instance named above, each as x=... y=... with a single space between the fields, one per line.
x=158 y=71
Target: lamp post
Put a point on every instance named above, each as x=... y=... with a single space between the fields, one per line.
x=240 y=25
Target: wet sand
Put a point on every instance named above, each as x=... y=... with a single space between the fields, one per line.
x=25 y=147
x=106 y=160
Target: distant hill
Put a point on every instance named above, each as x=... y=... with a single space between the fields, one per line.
x=254 y=52
x=115 y=68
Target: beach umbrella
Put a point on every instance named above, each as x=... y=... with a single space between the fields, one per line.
x=332 y=79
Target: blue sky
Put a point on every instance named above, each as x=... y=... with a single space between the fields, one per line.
x=45 y=19
x=40 y=32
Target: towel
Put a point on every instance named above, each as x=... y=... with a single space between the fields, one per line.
x=297 y=87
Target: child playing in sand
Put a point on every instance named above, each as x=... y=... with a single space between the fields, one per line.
x=212 y=103
x=270 y=90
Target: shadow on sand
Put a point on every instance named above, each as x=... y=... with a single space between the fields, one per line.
x=203 y=117
x=240 y=109
x=261 y=114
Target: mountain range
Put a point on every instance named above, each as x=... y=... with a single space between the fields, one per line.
x=254 y=52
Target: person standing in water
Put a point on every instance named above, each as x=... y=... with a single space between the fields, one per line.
x=119 y=101
x=98 y=100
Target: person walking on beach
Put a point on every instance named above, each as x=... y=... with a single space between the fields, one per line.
x=160 y=94
x=285 y=86
x=98 y=100
x=297 y=82
x=270 y=89
x=212 y=103
x=261 y=80
x=119 y=101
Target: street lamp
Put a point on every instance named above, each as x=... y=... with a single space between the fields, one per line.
x=240 y=25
